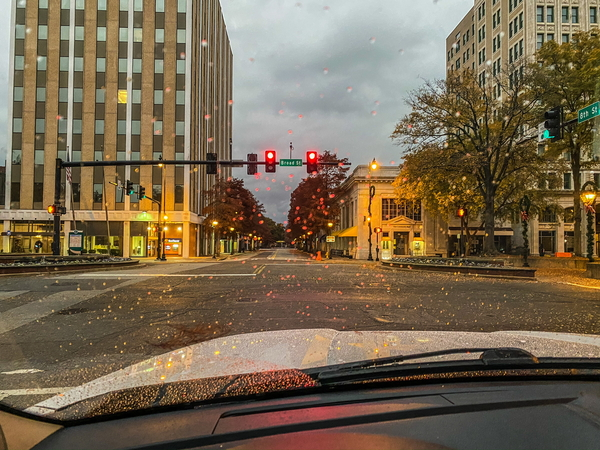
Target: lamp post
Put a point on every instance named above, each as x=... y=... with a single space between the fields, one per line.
x=588 y=196
x=214 y=224
x=373 y=166
x=525 y=204
x=163 y=239
x=377 y=231
x=329 y=226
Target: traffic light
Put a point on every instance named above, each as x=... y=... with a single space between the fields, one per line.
x=378 y=230
x=211 y=169
x=56 y=210
x=129 y=188
x=312 y=158
x=270 y=160
x=462 y=212
x=553 y=124
x=141 y=191
x=252 y=168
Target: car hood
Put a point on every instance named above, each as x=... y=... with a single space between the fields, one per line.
x=305 y=349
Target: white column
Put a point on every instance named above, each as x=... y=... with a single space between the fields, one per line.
x=126 y=242
x=186 y=239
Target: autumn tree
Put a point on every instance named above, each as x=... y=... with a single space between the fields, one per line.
x=314 y=202
x=233 y=206
x=568 y=75
x=464 y=140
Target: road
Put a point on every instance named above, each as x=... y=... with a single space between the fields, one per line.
x=62 y=330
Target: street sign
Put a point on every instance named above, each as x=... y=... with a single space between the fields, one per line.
x=290 y=162
x=541 y=132
x=589 y=112
x=330 y=238
x=75 y=242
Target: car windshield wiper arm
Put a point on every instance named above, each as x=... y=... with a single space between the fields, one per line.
x=489 y=356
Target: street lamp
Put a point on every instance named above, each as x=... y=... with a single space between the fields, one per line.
x=588 y=197
x=373 y=166
x=214 y=224
x=329 y=226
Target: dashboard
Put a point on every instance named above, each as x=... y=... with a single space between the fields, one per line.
x=466 y=415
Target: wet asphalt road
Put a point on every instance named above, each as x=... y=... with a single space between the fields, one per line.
x=60 y=331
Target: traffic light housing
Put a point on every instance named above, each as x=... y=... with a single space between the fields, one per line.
x=312 y=159
x=211 y=168
x=462 y=212
x=270 y=161
x=56 y=210
x=553 y=124
x=129 y=188
x=252 y=168
x=141 y=191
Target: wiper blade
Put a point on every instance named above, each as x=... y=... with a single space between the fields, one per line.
x=489 y=357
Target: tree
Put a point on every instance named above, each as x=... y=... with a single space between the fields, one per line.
x=314 y=202
x=470 y=129
x=234 y=206
x=568 y=75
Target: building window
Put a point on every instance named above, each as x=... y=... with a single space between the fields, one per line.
x=158 y=97
x=565 y=14
x=548 y=216
x=159 y=35
x=101 y=34
x=540 y=14
x=567 y=185
x=550 y=14
x=137 y=35
x=40 y=94
x=40 y=126
x=565 y=38
x=539 y=41
x=575 y=14
x=550 y=37
x=593 y=14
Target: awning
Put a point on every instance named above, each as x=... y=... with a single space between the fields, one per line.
x=348 y=232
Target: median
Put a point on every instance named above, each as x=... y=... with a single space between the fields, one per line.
x=461 y=266
x=13 y=265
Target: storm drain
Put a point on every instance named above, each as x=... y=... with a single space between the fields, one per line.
x=71 y=311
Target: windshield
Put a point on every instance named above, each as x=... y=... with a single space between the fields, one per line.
x=195 y=190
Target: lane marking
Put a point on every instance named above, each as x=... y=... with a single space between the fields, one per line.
x=43 y=391
x=583 y=286
x=260 y=269
x=21 y=371
x=149 y=275
x=9 y=294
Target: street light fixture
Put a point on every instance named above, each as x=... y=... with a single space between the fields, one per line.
x=588 y=197
x=373 y=166
x=329 y=226
x=214 y=224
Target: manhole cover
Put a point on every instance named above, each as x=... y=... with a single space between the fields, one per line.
x=70 y=311
x=246 y=300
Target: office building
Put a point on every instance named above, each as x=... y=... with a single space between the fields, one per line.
x=106 y=80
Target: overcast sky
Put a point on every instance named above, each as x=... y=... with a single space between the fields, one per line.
x=329 y=75
x=325 y=75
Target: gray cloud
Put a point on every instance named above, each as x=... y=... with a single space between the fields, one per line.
x=281 y=48
x=381 y=49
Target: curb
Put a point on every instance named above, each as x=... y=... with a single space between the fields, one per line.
x=520 y=274
x=48 y=270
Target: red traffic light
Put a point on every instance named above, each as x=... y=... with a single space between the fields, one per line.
x=52 y=209
x=312 y=158
x=270 y=160
x=461 y=212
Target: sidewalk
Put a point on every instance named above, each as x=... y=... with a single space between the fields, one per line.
x=567 y=276
x=197 y=259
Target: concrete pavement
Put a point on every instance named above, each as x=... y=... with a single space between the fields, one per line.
x=60 y=331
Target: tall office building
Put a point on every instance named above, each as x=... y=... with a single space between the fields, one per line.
x=105 y=80
x=497 y=33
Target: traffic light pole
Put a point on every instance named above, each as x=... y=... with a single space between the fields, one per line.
x=56 y=236
x=60 y=164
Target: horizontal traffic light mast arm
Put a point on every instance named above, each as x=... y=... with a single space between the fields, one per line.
x=172 y=162
x=570 y=122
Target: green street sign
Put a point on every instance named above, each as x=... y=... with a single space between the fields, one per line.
x=290 y=162
x=589 y=112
